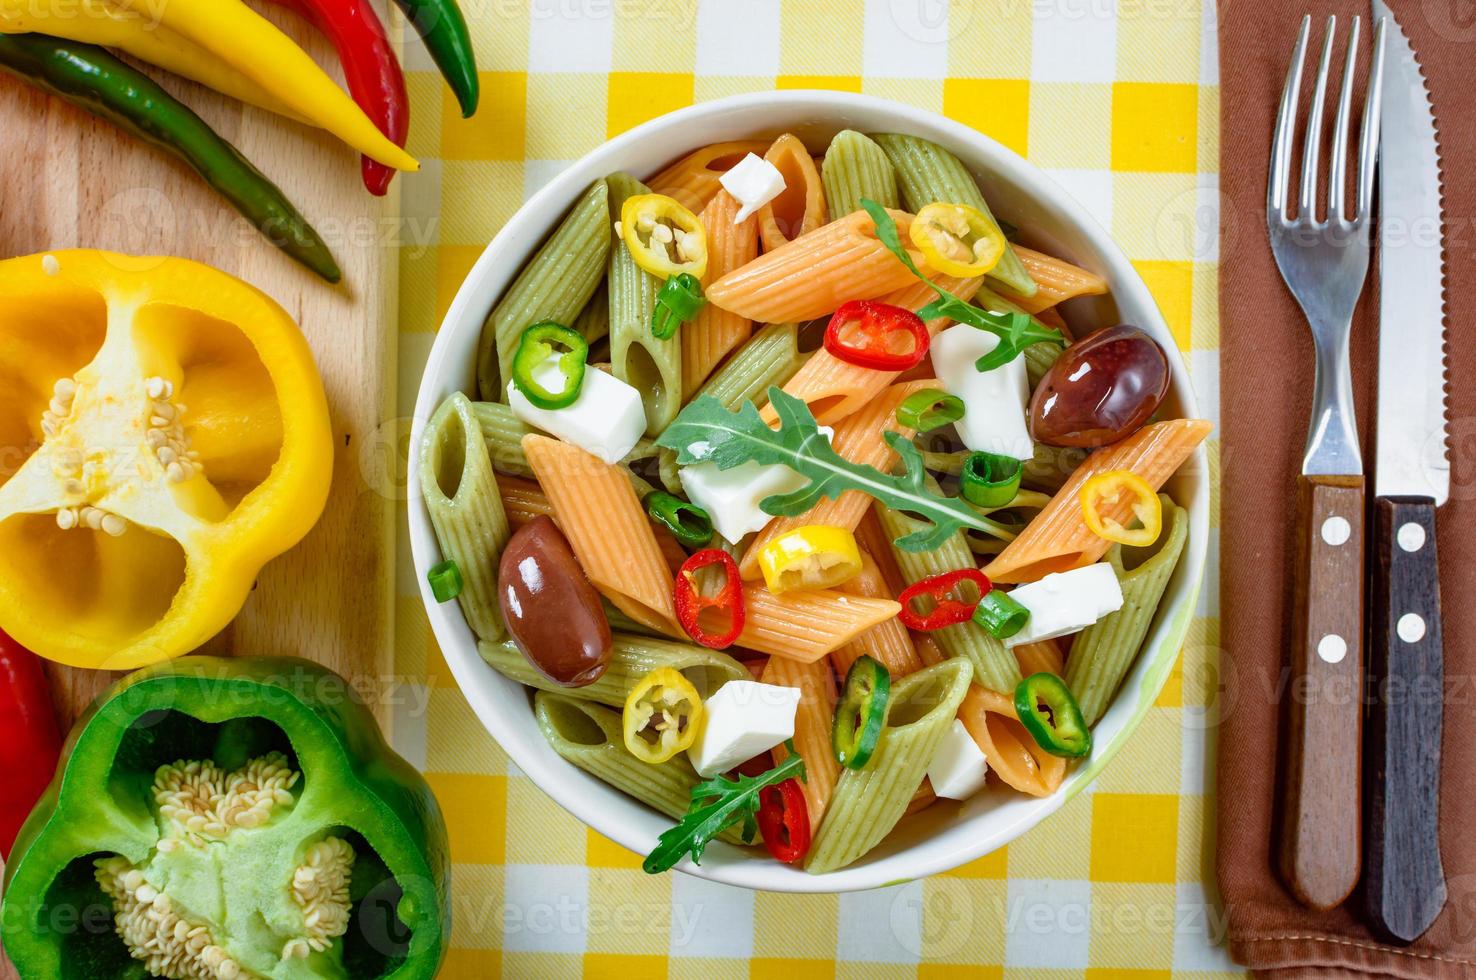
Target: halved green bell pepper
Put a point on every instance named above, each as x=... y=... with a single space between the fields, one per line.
x=233 y=796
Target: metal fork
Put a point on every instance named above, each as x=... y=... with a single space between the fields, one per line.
x=1325 y=262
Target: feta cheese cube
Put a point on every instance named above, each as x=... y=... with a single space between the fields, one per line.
x=1066 y=602
x=994 y=401
x=607 y=419
x=753 y=182
x=731 y=497
x=741 y=720
x=958 y=767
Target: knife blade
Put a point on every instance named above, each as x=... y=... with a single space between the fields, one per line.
x=1405 y=879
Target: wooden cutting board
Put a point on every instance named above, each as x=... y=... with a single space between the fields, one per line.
x=69 y=180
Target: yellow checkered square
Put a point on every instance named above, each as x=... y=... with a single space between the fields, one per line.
x=962 y=921
x=993 y=865
x=1041 y=855
x=1135 y=927
x=560 y=837
x=940 y=971
x=634 y=97
x=1172 y=694
x=478 y=897
x=543 y=966
x=765 y=968
x=704 y=968
x=412 y=636
x=476 y=815
x=1119 y=973
x=453 y=264
x=423 y=91
x=924 y=93
x=1196 y=854
x=496 y=131
x=1152 y=49
x=610 y=966
x=709 y=87
x=1134 y=837
x=1155 y=127
x=1150 y=759
x=821 y=38
x=1203 y=687
x=457 y=741
x=1204 y=316
x=837 y=83
x=629 y=912
x=1153 y=214
x=601 y=852
x=654 y=36
x=983 y=44
x=1172 y=286
x=578 y=126
x=1070 y=125
x=463 y=963
x=997 y=107
x=775 y=932
x=477 y=198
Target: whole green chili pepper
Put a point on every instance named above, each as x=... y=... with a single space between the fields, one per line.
x=443 y=29
x=92 y=79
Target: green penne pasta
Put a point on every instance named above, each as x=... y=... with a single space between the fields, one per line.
x=771 y=357
x=994 y=666
x=465 y=509
x=633 y=657
x=503 y=432
x=648 y=364
x=594 y=321
x=1038 y=357
x=927 y=174
x=868 y=802
x=556 y=284
x=1103 y=653
x=856 y=167
x=1051 y=467
x=591 y=737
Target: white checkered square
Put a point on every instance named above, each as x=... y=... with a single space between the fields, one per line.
x=1074 y=41
x=1048 y=924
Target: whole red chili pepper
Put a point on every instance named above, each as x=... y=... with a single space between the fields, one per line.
x=868 y=341
x=784 y=821
x=30 y=741
x=370 y=68
x=948 y=610
x=690 y=603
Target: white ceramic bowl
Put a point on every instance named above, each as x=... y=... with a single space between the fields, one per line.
x=947 y=834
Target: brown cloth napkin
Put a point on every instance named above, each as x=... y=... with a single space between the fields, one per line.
x=1266 y=380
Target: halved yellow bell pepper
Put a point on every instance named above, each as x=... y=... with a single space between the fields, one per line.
x=163 y=434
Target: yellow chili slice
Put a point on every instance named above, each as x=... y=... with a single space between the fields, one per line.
x=661 y=716
x=1106 y=493
x=810 y=557
x=664 y=238
x=957 y=240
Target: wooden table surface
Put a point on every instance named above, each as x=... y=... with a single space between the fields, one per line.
x=68 y=180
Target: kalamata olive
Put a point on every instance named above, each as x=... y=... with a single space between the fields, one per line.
x=1101 y=389
x=551 y=610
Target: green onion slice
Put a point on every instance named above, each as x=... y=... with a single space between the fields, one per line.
x=989 y=479
x=679 y=300
x=445 y=581
x=1001 y=615
x=928 y=409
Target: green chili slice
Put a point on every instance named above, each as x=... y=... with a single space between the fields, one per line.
x=989 y=479
x=928 y=409
x=445 y=581
x=1001 y=615
x=679 y=300
x=861 y=713
x=687 y=522
x=1052 y=717
x=536 y=347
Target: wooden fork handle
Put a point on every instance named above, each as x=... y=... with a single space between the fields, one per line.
x=1321 y=817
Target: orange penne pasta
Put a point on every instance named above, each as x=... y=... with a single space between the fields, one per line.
x=1042 y=657
x=812 y=723
x=716 y=331
x=522 y=499
x=599 y=513
x=859 y=439
x=1051 y=317
x=806 y=625
x=817 y=272
x=1012 y=753
x=1058 y=539
x=800 y=207
x=834 y=388
x=922 y=799
x=878 y=546
x=1058 y=280
x=887 y=643
x=693 y=180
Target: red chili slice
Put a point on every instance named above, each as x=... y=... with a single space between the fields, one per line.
x=690 y=603
x=948 y=610
x=862 y=333
x=784 y=820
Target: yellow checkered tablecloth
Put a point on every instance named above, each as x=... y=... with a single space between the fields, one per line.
x=1116 y=100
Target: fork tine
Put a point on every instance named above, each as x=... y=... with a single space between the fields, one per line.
x=1368 y=139
x=1312 y=142
x=1281 y=142
x=1339 y=175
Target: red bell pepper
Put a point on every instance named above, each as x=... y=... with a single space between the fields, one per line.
x=30 y=741
x=784 y=821
x=690 y=603
x=370 y=68
x=863 y=332
x=948 y=610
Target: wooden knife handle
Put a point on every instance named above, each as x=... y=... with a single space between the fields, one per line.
x=1406 y=884
x=1321 y=818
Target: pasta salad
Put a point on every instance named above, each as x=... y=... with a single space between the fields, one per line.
x=788 y=491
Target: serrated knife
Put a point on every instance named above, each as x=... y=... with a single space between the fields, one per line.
x=1405 y=884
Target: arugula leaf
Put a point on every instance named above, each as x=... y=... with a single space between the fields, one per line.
x=705 y=431
x=717 y=804
x=1016 y=331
